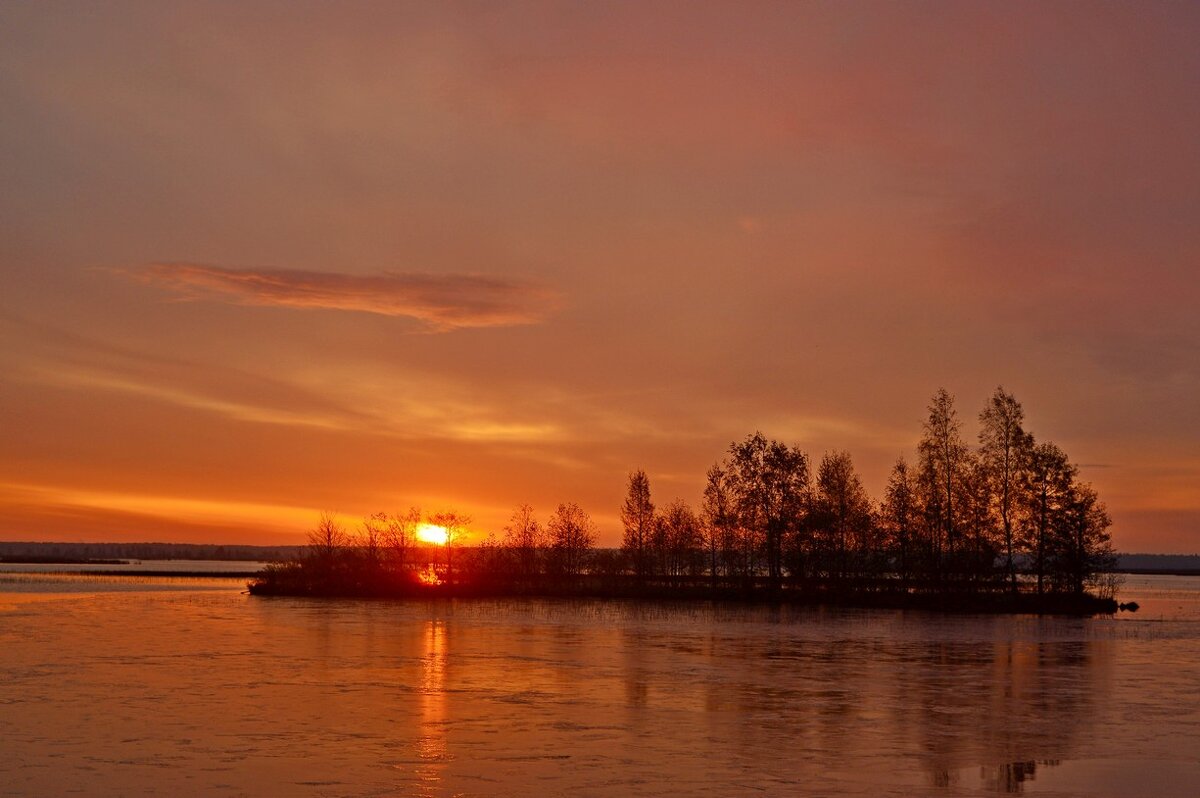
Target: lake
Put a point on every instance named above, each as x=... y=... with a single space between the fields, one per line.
x=122 y=685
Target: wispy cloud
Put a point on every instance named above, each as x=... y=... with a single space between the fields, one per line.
x=360 y=399
x=441 y=301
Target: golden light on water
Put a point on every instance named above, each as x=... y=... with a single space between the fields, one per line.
x=432 y=533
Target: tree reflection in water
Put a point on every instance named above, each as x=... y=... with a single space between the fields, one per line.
x=961 y=704
x=1009 y=699
x=1011 y=777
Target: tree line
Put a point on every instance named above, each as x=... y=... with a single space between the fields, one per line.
x=958 y=518
x=1008 y=515
x=386 y=556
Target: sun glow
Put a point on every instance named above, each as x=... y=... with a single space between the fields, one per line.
x=429 y=576
x=432 y=533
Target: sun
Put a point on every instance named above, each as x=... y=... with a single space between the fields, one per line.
x=432 y=533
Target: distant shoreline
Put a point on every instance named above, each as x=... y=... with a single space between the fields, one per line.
x=1158 y=571
x=36 y=560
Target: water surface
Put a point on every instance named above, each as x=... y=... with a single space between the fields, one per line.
x=143 y=686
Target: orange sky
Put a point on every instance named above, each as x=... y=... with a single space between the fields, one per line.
x=261 y=260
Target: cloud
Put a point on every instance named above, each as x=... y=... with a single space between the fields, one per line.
x=443 y=302
x=399 y=402
x=60 y=358
x=67 y=510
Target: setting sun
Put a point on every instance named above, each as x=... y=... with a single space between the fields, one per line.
x=432 y=533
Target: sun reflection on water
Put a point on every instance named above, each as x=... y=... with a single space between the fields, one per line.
x=431 y=746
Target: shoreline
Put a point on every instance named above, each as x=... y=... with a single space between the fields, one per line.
x=946 y=603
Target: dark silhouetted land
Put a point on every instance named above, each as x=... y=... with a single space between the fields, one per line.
x=1005 y=525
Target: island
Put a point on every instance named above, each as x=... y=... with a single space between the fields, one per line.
x=1005 y=526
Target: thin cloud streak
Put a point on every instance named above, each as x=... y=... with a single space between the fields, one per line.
x=43 y=499
x=442 y=302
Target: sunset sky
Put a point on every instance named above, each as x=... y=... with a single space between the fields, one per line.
x=260 y=260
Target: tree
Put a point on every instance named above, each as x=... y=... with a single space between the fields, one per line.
x=327 y=540
x=455 y=525
x=942 y=450
x=931 y=506
x=898 y=514
x=490 y=561
x=844 y=509
x=370 y=542
x=656 y=548
x=770 y=485
x=978 y=554
x=1085 y=547
x=719 y=520
x=1004 y=450
x=327 y=548
x=637 y=514
x=681 y=530
x=399 y=536
x=525 y=537
x=572 y=536
x=1047 y=492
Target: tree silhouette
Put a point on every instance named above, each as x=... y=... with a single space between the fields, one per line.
x=1048 y=491
x=637 y=514
x=400 y=535
x=844 y=510
x=1004 y=450
x=770 y=485
x=942 y=451
x=898 y=515
x=680 y=539
x=526 y=538
x=455 y=525
x=370 y=544
x=1084 y=546
x=983 y=540
x=572 y=536
x=327 y=540
x=720 y=522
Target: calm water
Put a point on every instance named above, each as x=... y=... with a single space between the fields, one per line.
x=116 y=685
x=185 y=566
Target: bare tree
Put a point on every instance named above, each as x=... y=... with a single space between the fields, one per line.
x=770 y=482
x=526 y=538
x=572 y=536
x=370 y=541
x=327 y=540
x=455 y=525
x=942 y=451
x=637 y=514
x=400 y=535
x=719 y=521
x=844 y=506
x=683 y=539
x=1047 y=493
x=981 y=540
x=1084 y=550
x=1004 y=449
x=899 y=516
x=657 y=547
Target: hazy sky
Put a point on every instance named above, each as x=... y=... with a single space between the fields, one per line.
x=260 y=260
